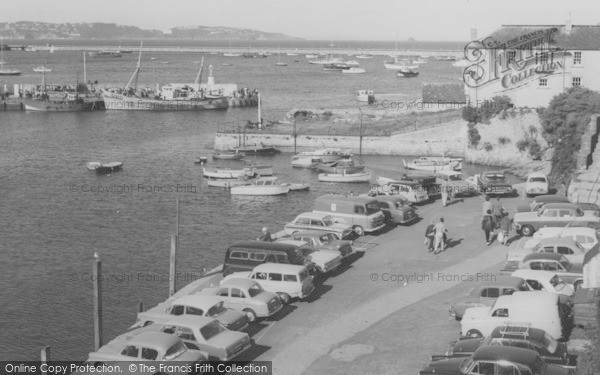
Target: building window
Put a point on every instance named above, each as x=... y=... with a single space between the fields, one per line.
x=510 y=56
x=544 y=58
x=543 y=82
x=576 y=81
x=577 y=58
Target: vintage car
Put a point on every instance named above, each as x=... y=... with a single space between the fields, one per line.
x=569 y=272
x=456 y=183
x=288 y=281
x=208 y=335
x=571 y=249
x=551 y=350
x=537 y=184
x=411 y=191
x=197 y=305
x=396 y=209
x=494 y=183
x=325 y=241
x=324 y=260
x=248 y=296
x=486 y=293
x=147 y=347
x=587 y=237
x=541 y=200
x=552 y=215
x=317 y=221
x=495 y=360
x=546 y=281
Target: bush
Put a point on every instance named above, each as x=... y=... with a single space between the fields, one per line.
x=503 y=140
x=487 y=110
x=535 y=150
x=474 y=136
x=488 y=146
x=523 y=145
x=469 y=114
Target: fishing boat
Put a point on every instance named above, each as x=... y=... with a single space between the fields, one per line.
x=364 y=95
x=258 y=169
x=262 y=186
x=172 y=96
x=326 y=154
x=433 y=163
x=228 y=182
x=407 y=71
x=299 y=161
x=297 y=186
x=341 y=166
x=364 y=56
x=226 y=172
x=3 y=71
x=354 y=70
x=256 y=150
x=42 y=69
x=345 y=177
x=229 y=156
x=104 y=167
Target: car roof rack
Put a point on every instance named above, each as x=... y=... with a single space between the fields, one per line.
x=516 y=329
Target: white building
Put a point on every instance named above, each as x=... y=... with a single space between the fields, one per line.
x=532 y=63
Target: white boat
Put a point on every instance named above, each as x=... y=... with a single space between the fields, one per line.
x=354 y=70
x=223 y=172
x=325 y=154
x=262 y=186
x=42 y=69
x=228 y=182
x=351 y=63
x=295 y=186
x=444 y=58
x=363 y=95
x=6 y=72
x=420 y=60
x=232 y=54
x=345 y=177
x=30 y=49
x=407 y=71
x=306 y=161
x=364 y=56
x=104 y=167
x=398 y=64
x=312 y=56
x=433 y=163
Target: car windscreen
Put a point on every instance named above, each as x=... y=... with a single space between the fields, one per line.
x=537 y=179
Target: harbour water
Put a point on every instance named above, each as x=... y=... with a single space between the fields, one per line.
x=56 y=214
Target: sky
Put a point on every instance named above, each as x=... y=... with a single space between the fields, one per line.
x=424 y=20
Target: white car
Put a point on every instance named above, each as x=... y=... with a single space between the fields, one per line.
x=317 y=221
x=586 y=236
x=571 y=249
x=545 y=280
x=537 y=184
x=324 y=260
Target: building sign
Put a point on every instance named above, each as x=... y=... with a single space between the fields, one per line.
x=515 y=62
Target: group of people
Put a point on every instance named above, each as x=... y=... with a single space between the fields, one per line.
x=435 y=236
x=495 y=218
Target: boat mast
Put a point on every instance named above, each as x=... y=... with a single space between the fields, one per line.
x=134 y=78
x=84 y=70
x=199 y=76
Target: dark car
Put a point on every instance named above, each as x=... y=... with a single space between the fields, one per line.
x=541 y=200
x=486 y=293
x=396 y=209
x=494 y=183
x=325 y=241
x=494 y=360
x=551 y=350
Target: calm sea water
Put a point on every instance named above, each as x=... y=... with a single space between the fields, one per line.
x=52 y=221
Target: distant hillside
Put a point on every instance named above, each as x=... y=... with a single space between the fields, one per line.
x=98 y=30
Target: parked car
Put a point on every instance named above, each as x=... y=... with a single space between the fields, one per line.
x=539 y=309
x=197 y=305
x=147 y=347
x=208 y=335
x=317 y=221
x=549 y=349
x=494 y=183
x=486 y=293
x=537 y=184
x=288 y=281
x=541 y=200
x=396 y=209
x=324 y=260
x=571 y=249
x=546 y=281
x=569 y=272
x=412 y=191
x=455 y=181
x=361 y=213
x=587 y=237
x=495 y=360
x=552 y=215
x=325 y=241
x=248 y=296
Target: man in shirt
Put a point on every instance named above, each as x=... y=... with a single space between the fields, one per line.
x=266 y=236
x=439 y=229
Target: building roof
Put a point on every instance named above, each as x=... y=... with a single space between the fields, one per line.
x=581 y=37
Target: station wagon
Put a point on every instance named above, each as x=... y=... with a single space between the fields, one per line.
x=571 y=249
x=456 y=183
x=396 y=209
x=317 y=221
x=568 y=272
x=325 y=241
x=552 y=215
x=541 y=200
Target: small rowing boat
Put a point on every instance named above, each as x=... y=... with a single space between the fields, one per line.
x=104 y=167
x=262 y=186
x=345 y=177
x=229 y=156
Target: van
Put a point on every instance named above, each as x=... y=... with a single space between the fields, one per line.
x=362 y=213
x=537 y=308
x=288 y=281
x=246 y=255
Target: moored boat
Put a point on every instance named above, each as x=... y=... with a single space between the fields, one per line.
x=306 y=161
x=354 y=70
x=433 y=163
x=229 y=156
x=364 y=95
x=296 y=186
x=228 y=182
x=326 y=154
x=104 y=167
x=345 y=177
x=226 y=172
x=407 y=71
x=201 y=160
x=42 y=69
x=341 y=166
x=105 y=53
x=256 y=150
x=262 y=186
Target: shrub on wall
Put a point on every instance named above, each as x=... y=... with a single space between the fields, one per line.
x=487 y=110
x=523 y=145
x=474 y=136
x=503 y=140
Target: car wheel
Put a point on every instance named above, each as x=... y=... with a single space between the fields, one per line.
x=358 y=230
x=250 y=315
x=285 y=298
x=577 y=284
x=527 y=230
x=473 y=334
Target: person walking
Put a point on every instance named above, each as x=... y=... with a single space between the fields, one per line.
x=487 y=205
x=429 y=236
x=487 y=224
x=497 y=212
x=444 y=192
x=505 y=224
x=440 y=230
